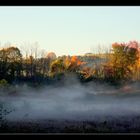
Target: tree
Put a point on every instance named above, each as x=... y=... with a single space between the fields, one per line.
x=72 y=64
x=124 y=58
x=57 y=66
x=3 y=64
x=14 y=58
x=10 y=62
x=65 y=65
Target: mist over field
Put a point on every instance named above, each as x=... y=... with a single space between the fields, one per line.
x=71 y=101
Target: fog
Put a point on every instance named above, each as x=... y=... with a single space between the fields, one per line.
x=71 y=101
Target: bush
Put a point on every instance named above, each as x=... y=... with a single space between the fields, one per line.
x=3 y=83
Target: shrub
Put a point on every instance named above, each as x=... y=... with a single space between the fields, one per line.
x=3 y=83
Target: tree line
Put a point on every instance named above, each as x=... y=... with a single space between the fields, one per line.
x=122 y=62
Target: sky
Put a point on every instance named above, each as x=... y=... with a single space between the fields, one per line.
x=68 y=30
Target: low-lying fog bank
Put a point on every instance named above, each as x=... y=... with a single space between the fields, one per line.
x=72 y=101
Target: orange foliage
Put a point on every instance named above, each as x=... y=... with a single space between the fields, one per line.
x=74 y=58
x=72 y=63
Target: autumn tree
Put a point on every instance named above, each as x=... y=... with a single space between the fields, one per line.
x=65 y=65
x=57 y=67
x=124 y=58
x=73 y=64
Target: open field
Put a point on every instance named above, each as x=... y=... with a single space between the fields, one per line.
x=76 y=109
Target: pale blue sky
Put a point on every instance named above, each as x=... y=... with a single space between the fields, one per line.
x=69 y=29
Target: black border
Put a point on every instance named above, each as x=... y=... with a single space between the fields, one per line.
x=69 y=3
